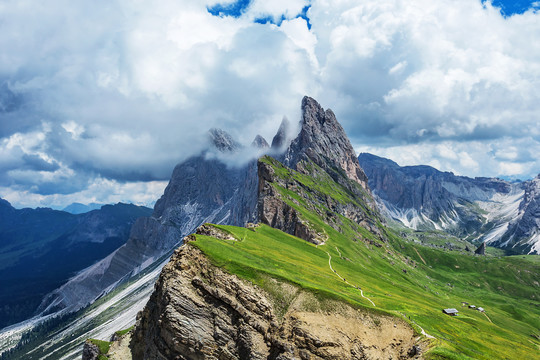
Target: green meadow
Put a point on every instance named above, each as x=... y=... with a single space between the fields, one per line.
x=400 y=276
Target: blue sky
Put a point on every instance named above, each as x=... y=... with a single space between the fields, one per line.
x=98 y=102
x=509 y=8
x=236 y=9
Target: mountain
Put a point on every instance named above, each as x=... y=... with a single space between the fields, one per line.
x=228 y=197
x=78 y=208
x=40 y=249
x=523 y=231
x=320 y=192
x=321 y=277
x=202 y=188
x=313 y=272
x=323 y=141
x=502 y=213
x=184 y=206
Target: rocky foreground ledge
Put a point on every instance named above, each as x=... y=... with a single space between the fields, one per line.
x=198 y=311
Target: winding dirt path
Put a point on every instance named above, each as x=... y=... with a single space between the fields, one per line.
x=421 y=258
x=425 y=333
x=422 y=331
x=342 y=278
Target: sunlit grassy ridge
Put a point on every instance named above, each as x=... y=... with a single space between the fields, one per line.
x=395 y=277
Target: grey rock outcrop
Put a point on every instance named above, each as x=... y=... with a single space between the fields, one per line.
x=323 y=141
x=259 y=143
x=223 y=141
x=503 y=214
x=202 y=189
x=279 y=142
x=90 y=351
x=273 y=211
x=523 y=233
x=198 y=311
x=481 y=249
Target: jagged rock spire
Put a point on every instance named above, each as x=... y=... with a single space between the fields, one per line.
x=481 y=249
x=259 y=143
x=323 y=141
x=222 y=140
x=280 y=139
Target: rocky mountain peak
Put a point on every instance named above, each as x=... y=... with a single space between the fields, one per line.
x=259 y=143
x=323 y=141
x=280 y=139
x=222 y=140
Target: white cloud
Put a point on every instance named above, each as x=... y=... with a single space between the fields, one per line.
x=99 y=191
x=276 y=8
x=124 y=90
x=468 y=158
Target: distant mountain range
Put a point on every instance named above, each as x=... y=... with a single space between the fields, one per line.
x=501 y=213
x=78 y=208
x=40 y=249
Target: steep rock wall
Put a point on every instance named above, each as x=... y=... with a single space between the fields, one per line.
x=198 y=311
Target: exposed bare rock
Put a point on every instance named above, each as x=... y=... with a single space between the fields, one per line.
x=90 y=351
x=213 y=231
x=501 y=213
x=119 y=349
x=199 y=311
x=259 y=143
x=223 y=141
x=280 y=139
x=323 y=141
x=273 y=210
x=481 y=249
x=523 y=233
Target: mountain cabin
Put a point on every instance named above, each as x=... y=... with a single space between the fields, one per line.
x=451 y=312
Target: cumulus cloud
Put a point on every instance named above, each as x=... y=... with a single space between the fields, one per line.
x=118 y=92
x=506 y=157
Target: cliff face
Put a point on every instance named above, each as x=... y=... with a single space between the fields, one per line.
x=323 y=141
x=200 y=312
x=493 y=210
x=523 y=233
x=274 y=210
x=202 y=189
x=322 y=151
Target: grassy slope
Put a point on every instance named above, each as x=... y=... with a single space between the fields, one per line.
x=506 y=287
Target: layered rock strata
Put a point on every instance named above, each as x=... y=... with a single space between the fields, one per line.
x=199 y=311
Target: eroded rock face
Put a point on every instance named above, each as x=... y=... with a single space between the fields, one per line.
x=273 y=210
x=503 y=214
x=201 y=312
x=524 y=232
x=90 y=351
x=202 y=189
x=279 y=142
x=323 y=141
x=421 y=196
